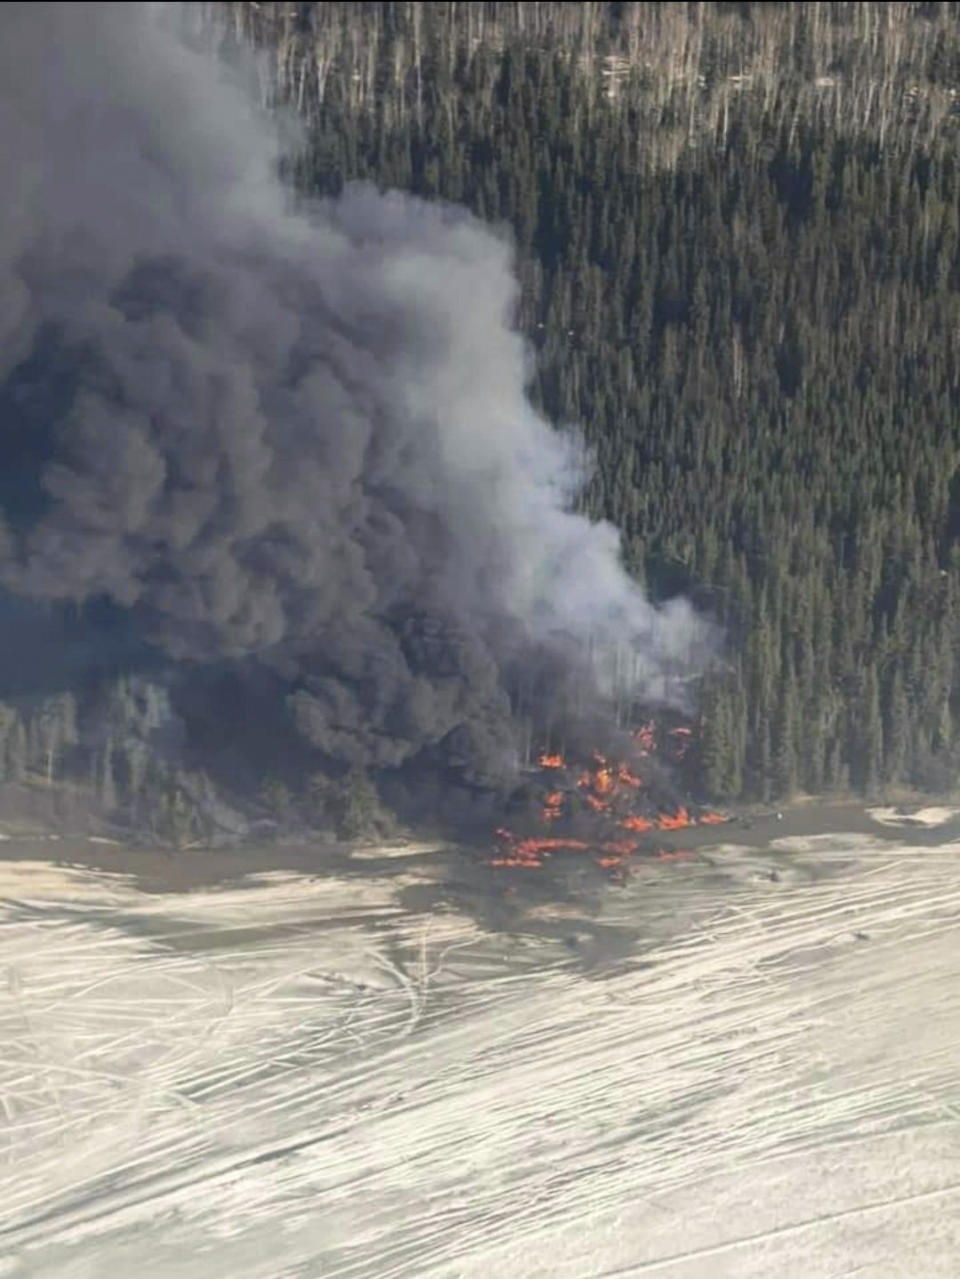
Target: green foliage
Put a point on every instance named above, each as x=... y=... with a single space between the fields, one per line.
x=171 y=805
x=722 y=741
x=17 y=751
x=174 y=818
x=321 y=801
x=350 y=806
x=361 y=814
x=54 y=730
x=277 y=798
x=8 y=721
x=106 y=785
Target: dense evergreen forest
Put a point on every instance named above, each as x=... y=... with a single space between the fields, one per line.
x=737 y=229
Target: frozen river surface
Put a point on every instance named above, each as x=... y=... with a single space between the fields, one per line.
x=747 y=1065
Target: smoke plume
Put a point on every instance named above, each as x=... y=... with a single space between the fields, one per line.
x=295 y=439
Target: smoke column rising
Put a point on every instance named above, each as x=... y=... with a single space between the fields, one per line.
x=295 y=438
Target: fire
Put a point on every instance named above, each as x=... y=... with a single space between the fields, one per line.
x=676 y=821
x=553 y=806
x=530 y=852
x=621 y=847
x=637 y=823
x=552 y=761
x=611 y=790
x=603 y=780
x=645 y=737
x=607 y=787
x=552 y=845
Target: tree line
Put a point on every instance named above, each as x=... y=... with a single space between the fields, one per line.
x=112 y=748
x=118 y=752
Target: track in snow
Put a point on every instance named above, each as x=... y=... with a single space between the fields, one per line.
x=297 y=1077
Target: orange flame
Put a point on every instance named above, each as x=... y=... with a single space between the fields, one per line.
x=552 y=761
x=552 y=845
x=537 y=847
x=629 y=779
x=521 y=853
x=622 y=847
x=644 y=737
x=609 y=788
x=676 y=821
x=603 y=781
x=637 y=823
x=553 y=806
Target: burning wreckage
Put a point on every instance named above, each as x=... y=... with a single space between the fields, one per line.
x=605 y=809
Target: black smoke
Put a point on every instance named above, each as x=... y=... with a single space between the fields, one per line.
x=289 y=445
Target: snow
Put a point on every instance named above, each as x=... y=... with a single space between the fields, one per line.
x=380 y=851
x=922 y=817
x=743 y=1065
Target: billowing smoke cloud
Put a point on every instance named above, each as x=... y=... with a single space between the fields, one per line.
x=299 y=438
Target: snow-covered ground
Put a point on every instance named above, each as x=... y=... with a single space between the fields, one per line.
x=920 y=817
x=743 y=1066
